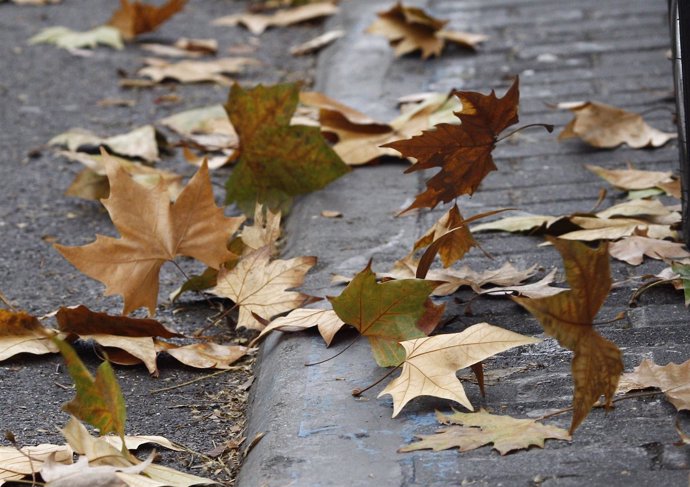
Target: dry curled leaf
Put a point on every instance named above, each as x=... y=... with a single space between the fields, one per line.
x=458 y=243
x=141 y=143
x=605 y=126
x=478 y=429
x=431 y=362
x=326 y=320
x=317 y=43
x=258 y=23
x=15 y=464
x=632 y=179
x=134 y=18
x=633 y=249
x=71 y=39
x=568 y=317
x=195 y=71
x=153 y=232
x=462 y=152
x=21 y=332
x=672 y=379
x=205 y=355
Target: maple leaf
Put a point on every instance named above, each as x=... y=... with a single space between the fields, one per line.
x=633 y=249
x=259 y=286
x=672 y=379
x=431 y=362
x=410 y=29
x=463 y=152
x=456 y=245
x=258 y=23
x=265 y=230
x=631 y=179
x=21 y=332
x=276 y=161
x=300 y=319
x=388 y=313
x=478 y=429
x=98 y=400
x=204 y=355
x=568 y=317
x=17 y=463
x=195 y=71
x=605 y=126
x=135 y=18
x=153 y=232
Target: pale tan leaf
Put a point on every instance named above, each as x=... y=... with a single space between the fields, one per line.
x=633 y=249
x=631 y=179
x=206 y=355
x=300 y=319
x=81 y=474
x=431 y=362
x=258 y=23
x=15 y=465
x=638 y=207
x=616 y=228
x=191 y=71
x=264 y=232
x=21 y=332
x=523 y=223
x=183 y=47
x=139 y=143
x=133 y=442
x=672 y=379
x=70 y=39
x=539 y=289
x=317 y=43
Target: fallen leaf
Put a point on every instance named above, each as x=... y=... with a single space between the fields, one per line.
x=523 y=223
x=207 y=128
x=153 y=232
x=81 y=474
x=631 y=179
x=388 y=313
x=459 y=242
x=133 y=442
x=568 y=317
x=205 y=355
x=431 y=362
x=478 y=429
x=463 y=152
x=633 y=249
x=636 y=208
x=198 y=282
x=615 y=228
x=258 y=23
x=139 y=143
x=71 y=39
x=410 y=29
x=672 y=379
x=135 y=18
x=21 y=332
x=193 y=71
x=539 y=289
x=258 y=286
x=183 y=47
x=264 y=231
x=317 y=43
x=605 y=126
x=15 y=464
x=331 y=214
x=276 y=161
x=98 y=400
x=300 y=319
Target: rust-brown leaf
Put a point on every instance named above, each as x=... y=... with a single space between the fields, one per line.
x=456 y=245
x=134 y=18
x=568 y=317
x=21 y=332
x=463 y=152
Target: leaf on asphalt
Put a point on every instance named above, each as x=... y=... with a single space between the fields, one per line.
x=15 y=465
x=478 y=429
x=134 y=18
x=606 y=127
x=153 y=232
x=133 y=442
x=514 y=224
x=263 y=232
x=92 y=182
x=21 y=332
x=431 y=362
x=195 y=71
x=81 y=474
x=276 y=160
x=317 y=43
x=71 y=39
x=98 y=400
x=568 y=317
x=672 y=379
x=183 y=47
x=258 y=23
x=388 y=313
x=100 y=452
x=458 y=243
x=411 y=29
x=539 y=289
x=633 y=249
x=326 y=320
x=197 y=282
x=615 y=228
x=462 y=152
x=634 y=179
x=205 y=355
x=139 y=143
x=259 y=286
x=207 y=128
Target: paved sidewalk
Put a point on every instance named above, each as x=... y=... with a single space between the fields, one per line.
x=317 y=434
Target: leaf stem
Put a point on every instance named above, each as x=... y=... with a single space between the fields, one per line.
x=547 y=126
x=358 y=392
x=336 y=355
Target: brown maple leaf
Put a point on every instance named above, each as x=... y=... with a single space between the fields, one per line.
x=454 y=247
x=21 y=332
x=153 y=231
x=672 y=379
x=463 y=152
x=137 y=18
x=568 y=317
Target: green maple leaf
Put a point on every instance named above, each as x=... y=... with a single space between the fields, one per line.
x=277 y=160
x=99 y=400
x=388 y=313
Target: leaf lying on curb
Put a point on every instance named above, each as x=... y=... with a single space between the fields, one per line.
x=605 y=126
x=410 y=29
x=98 y=400
x=276 y=160
x=633 y=249
x=258 y=23
x=463 y=152
x=194 y=71
x=135 y=18
x=478 y=429
x=568 y=317
x=71 y=39
x=300 y=319
x=204 y=355
x=258 y=285
x=153 y=232
x=431 y=362
x=672 y=379
x=388 y=313
x=632 y=179
x=21 y=332
x=15 y=465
